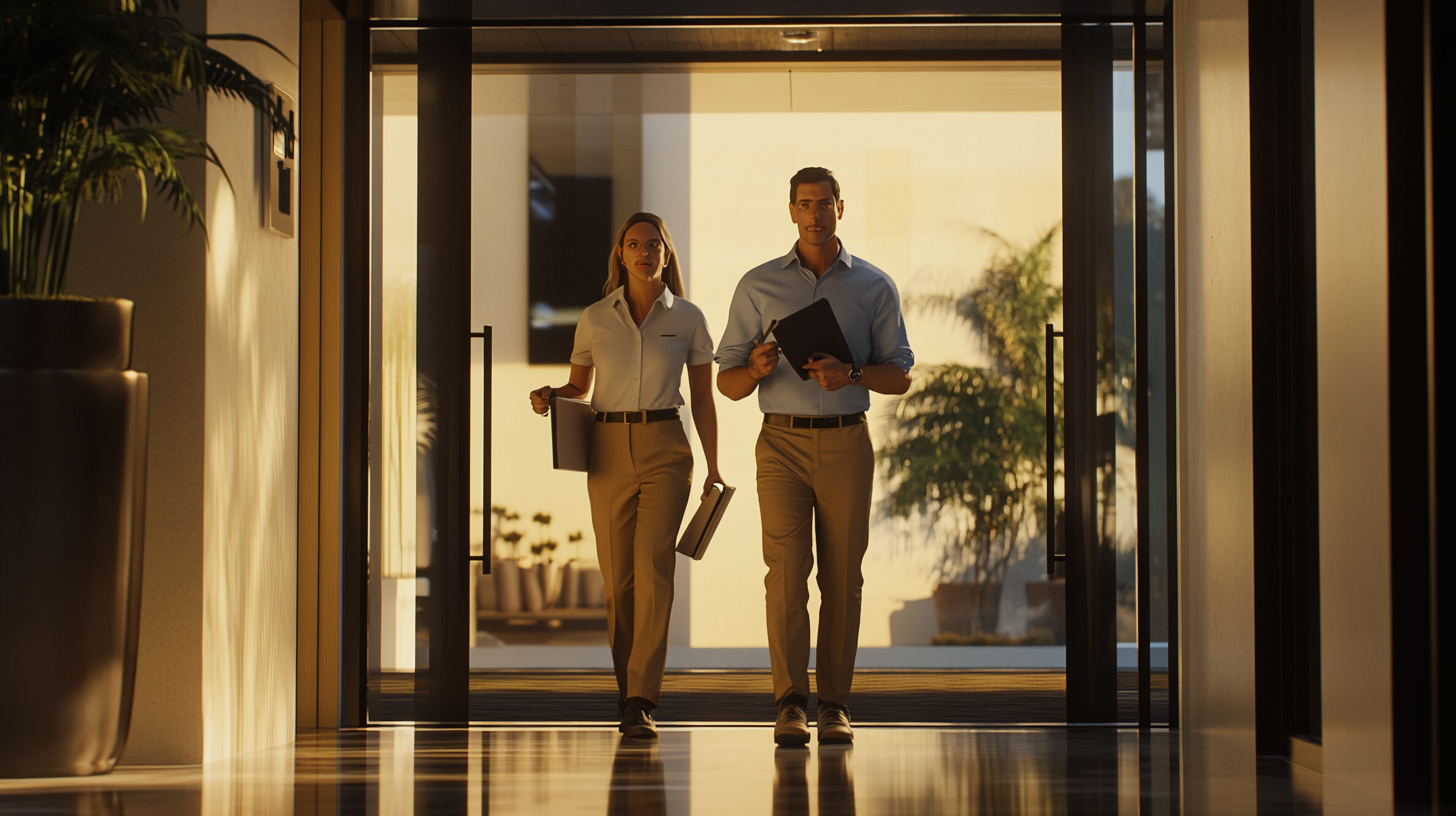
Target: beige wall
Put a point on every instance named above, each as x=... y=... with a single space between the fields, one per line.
x=216 y=331
x=1216 y=562
x=251 y=427
x=1354 y=452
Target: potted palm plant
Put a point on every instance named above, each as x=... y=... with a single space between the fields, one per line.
x=966 y=444
x=88 y=83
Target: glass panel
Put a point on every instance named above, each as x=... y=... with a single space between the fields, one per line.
x=952 y=182
x=1117 y=415
x=394 y=433
x=1157 y=489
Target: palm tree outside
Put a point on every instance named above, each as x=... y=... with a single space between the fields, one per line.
x=965 y=449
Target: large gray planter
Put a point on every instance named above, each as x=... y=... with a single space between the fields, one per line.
x=73 y=442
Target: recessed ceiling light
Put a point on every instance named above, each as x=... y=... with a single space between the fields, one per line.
x=800 y=36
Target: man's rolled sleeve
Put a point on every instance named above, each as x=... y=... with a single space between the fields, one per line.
x=890 y=342
x=744 y=324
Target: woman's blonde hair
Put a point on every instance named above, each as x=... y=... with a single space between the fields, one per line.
x=617 y=273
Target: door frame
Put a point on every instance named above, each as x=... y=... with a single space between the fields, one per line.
x=1091 y=665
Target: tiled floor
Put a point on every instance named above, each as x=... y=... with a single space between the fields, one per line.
x=733 y=771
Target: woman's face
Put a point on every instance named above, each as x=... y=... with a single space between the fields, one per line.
x=642 y=252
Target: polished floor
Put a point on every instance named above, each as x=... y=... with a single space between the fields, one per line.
x=703 y=771
x=717 y=697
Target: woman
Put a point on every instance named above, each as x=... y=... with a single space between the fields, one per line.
x=639 y=337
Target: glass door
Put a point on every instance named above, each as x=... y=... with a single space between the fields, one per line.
x=959 y=174
x=1114 y=499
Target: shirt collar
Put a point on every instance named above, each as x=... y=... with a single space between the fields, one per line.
x=843 y=258
x=619 y=295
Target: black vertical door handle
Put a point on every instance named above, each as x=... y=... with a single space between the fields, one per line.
x=1051 y=451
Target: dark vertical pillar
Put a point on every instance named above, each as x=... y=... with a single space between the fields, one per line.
x=1441 y=17
x=1087 y=201
x=1141 y=385
x=354 y=354
x=443 y=360
x=1415 y=629
x=1285 y=395
x=1170 y=341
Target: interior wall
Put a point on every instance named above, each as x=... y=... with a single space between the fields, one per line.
x=216 y=331
x=251 y=412
x=1354 y=451
x=1216 y=427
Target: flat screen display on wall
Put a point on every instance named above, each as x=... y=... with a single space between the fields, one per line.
x=571 y=236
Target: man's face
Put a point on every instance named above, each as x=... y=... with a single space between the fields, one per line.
x=816 y=213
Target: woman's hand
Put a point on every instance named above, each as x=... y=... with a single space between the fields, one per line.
x=541 y=399
x=713 y=478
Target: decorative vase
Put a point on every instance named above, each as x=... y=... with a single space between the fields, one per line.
x=532 y=589
x=593 y=588
x=73 y=432
x=508 y=585
x=485 y=597
x=570 y=585
x=964 y=608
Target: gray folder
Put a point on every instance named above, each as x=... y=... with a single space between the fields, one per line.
x=571 y=433
x=700 y=530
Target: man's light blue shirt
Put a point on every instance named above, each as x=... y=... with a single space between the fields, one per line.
x=866 y=303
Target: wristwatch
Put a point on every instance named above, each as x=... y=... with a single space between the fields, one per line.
x=855 y=373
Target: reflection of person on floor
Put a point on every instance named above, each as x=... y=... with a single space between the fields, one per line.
x=815 y=461
x=640 y=336
x=791 y=782
x=638 y=788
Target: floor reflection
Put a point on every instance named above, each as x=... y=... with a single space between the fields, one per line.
x=688 y=772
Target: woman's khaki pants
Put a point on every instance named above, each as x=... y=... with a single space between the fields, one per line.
x=638 y=482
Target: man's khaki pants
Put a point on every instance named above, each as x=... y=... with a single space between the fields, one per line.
x=638 y=482
x=819 y=482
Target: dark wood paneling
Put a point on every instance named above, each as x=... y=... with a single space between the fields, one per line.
x=1413 y=554
x=443 y=361
x=1087 y=281
x=1285 y=389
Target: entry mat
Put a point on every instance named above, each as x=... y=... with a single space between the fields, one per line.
x=971 y=697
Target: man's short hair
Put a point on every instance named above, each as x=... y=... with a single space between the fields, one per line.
x=812 y=175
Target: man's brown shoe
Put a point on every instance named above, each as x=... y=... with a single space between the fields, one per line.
x=834 y=725
x=792 y=727
x=637 y=722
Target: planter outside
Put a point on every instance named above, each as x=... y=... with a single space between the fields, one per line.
x=507 y=575
x=966 y=609
x=1046 y=608
x=73 y=440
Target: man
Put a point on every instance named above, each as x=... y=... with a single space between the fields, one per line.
x=815 y=461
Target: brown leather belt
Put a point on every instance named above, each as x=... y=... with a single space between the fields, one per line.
x=803 y=421
x=637 y=417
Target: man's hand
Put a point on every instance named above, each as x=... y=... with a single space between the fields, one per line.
x=541 y=400
x=826 y=370
x=763 y=360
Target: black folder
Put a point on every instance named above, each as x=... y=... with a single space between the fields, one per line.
x=811 y=331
